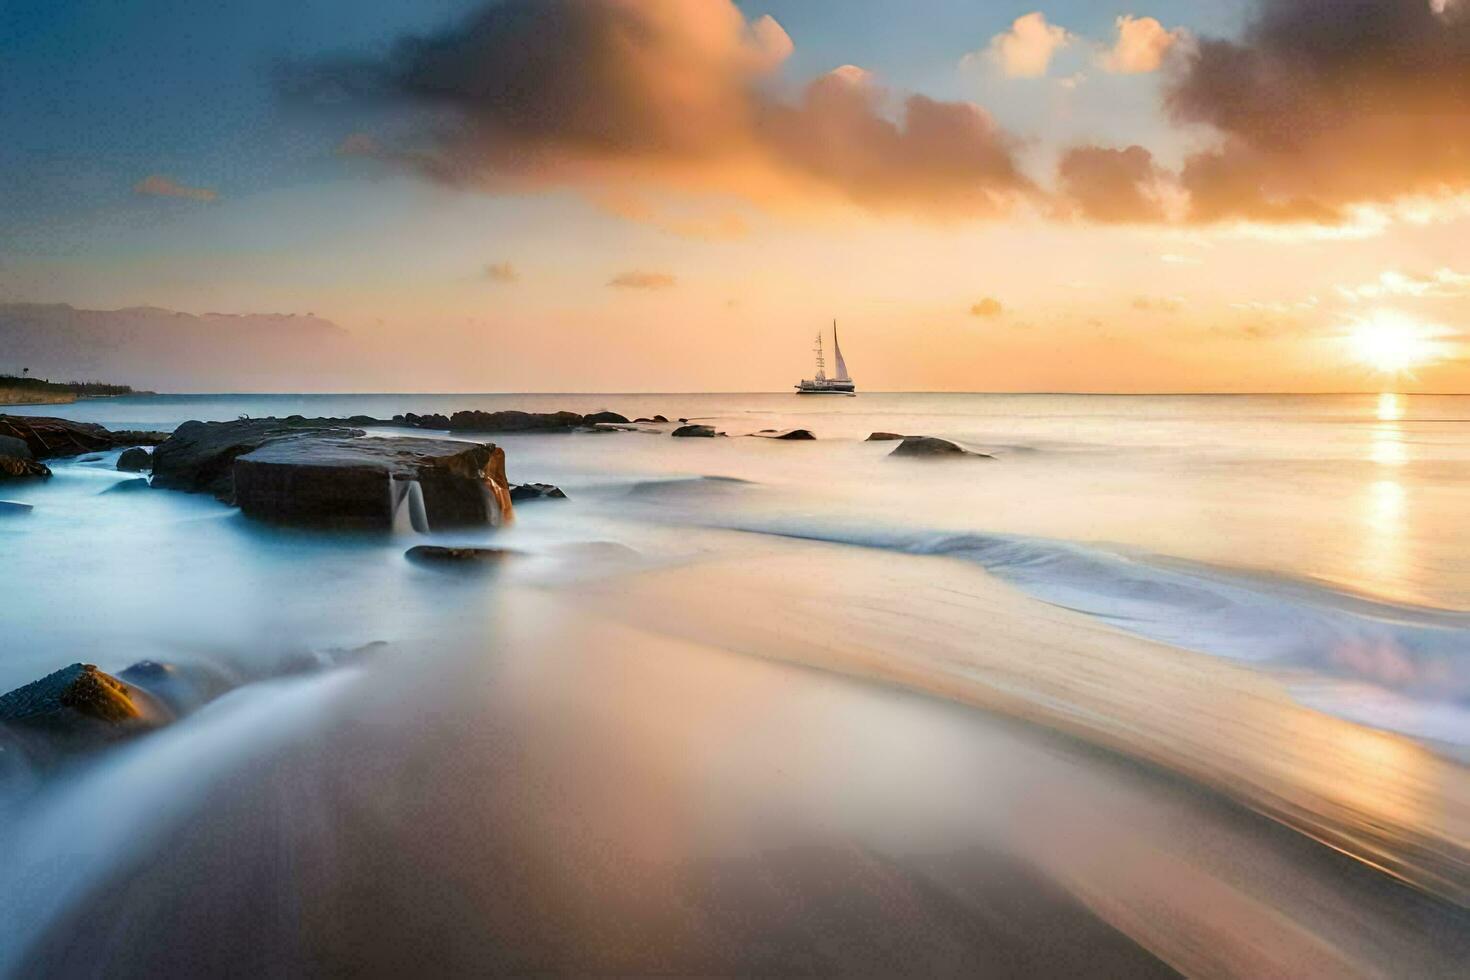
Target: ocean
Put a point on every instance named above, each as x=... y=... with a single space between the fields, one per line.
x=741 y=704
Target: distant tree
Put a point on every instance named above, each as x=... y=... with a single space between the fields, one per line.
x=24 y=372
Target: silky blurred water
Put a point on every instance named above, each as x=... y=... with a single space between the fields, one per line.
x=1315 y=545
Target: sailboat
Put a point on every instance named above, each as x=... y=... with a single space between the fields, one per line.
x=842 y=384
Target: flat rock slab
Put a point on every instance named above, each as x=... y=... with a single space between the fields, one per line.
x=928 y=447
x=322 y=481
x=694 y=432
x=200 y=456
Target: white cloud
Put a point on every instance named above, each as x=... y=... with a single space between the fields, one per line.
x=1443 y=284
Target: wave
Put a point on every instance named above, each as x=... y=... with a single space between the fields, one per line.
x=1402 y=668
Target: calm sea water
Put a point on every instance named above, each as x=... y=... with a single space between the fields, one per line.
x=1266 y=595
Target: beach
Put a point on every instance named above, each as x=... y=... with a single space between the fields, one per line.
x=1164 y=684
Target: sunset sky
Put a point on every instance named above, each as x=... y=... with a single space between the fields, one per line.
x=1204 y=195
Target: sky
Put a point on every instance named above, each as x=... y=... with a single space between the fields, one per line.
x=626 y=195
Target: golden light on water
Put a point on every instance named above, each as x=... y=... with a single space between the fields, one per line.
x=1391 y=342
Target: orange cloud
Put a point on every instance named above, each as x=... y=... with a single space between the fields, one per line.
x=502 y=272
x=608 y=95
x=643 y=280
x=1111 y=186
x=1025 y=51
x=1321 y=108
x=157 y=185
x=1141 y=46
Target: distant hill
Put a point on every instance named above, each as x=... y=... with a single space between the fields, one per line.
x=152 y=348
x=25 y=390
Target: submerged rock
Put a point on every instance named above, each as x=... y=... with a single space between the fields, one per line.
x=128 y=486
x=14 y=508
x=597 y=417
x=511 y=421
x=694 y=432
x=790 y=435
x=536 y=491
x=360 y=483
x=13 y=467
x=438 y=555
x=75 y=708
x=181 y=688
x=931 y=447
x=135 y=460
x=885 y=437
x=200 y=456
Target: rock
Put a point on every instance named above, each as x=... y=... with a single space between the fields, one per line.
x=76 y=708
x=536 y=491
x=695 y=431
x=684 y=421
x=437 y=555
x=48 y=437
x=181 y=688
x=789 y=434
x=135 y=460
x=360 y=483
x=928 y=447
x=511 y=421
x=660 y=418
x=128 y=486
x=596 y=417
x=200 y=456
x=92 y=458
x=886 y=437
x=14 y=508
x=11 y=446
x=435 y=421
x=13 y=467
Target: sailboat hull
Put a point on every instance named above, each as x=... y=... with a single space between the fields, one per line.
x=826 y=388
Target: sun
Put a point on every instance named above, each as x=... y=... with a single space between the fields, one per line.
x=1391 y=342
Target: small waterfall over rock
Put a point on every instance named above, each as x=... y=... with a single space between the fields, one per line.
x=409 y=513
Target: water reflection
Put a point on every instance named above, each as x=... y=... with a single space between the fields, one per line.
x=1388 y=447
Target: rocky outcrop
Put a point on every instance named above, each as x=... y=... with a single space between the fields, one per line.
x=597 y=417
x=694 y=432
x=928 y=447
x=14 y=467
x=135 y=460
x=361 y=483
x=411 y=420
x=790 y=435
x=536 y=491
x=200 y=456
x=885 y=437
x=76 y=708
x=511 y=421
x=47 y=437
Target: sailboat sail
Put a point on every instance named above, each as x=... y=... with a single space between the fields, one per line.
x=837 y=352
